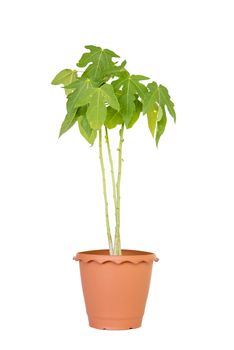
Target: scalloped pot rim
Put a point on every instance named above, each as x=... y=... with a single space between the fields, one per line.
x=102 y=256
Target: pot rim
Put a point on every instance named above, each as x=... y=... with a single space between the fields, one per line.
x=128 y=255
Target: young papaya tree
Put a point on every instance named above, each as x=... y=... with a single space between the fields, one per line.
x=103 y=95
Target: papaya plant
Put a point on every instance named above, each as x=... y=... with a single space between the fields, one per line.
x=103 y=95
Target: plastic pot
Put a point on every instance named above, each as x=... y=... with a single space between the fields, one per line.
x=115 y=288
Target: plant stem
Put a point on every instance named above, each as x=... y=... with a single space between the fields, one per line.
x=112 y=170
x=117 y=246
x=105 y=194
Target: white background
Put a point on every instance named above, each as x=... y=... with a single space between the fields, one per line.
x=177 y=201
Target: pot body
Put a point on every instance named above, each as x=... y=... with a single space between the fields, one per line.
x=115 y=287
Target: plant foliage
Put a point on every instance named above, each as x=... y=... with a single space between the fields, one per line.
x=105 y=93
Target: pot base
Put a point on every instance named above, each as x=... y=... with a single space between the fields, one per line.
x=110 y=324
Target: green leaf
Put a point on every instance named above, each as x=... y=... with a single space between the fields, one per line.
x=96 y=113
x=111 y=53
x=139 y=77
x=94 y=55
x=81 y=95
x=109 y=96
x=136 y=114
x=85 y=129
x=113 y=72
x=127 y=98
x=165 y=100
x=159 y=114
x=68 y=122
x=99 y=60
x=161 y=125
x=70 y=119
x=116 y=70
x=153 y=117
x=150 y=98
x=113 y=118
x=129 y=85
x=140 y=88
x=101 y=96
x=127 y=106
x=65 y=77
x=74 y=84
x=134 y=81
x=73 y=77
x=121 y=81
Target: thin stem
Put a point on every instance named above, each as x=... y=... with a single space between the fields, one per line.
x=117 y=246
x=105 y=194
x=112 y=170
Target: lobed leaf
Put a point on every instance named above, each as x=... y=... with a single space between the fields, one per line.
x=165 y=100
x=99 y=62
x=140 y=88
x=121 y=81
x=116 y=70
x=81 y=95
x=129 y=85
x=134 y=81
x=97 y=109
x=150 y=98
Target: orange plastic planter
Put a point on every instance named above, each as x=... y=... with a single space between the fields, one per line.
x=115 y=287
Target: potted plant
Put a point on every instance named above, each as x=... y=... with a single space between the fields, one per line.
x=103 y=96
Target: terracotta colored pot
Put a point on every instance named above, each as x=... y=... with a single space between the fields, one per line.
x=115 y=287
